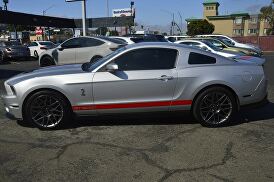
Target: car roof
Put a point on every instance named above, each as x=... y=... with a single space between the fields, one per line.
x=157 y=44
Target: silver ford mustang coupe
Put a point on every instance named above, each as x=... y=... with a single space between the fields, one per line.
x=142 y=77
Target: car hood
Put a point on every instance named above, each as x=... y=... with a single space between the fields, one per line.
x=47 y=71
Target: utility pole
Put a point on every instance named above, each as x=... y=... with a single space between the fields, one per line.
x=5 y=4
x=84 y=17
x=107 y=8
x=44 y=13
x=181 y=18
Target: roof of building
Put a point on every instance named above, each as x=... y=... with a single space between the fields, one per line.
x=230 y=16
x=208 y=2
x=193 y=19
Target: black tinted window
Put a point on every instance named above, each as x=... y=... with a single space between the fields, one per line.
x=121 y=40
x=72 y=43
x=196 y=58
x=112 y=40
x=90 y=42
x=191 y=43
x=147 y=59
x=33 y=44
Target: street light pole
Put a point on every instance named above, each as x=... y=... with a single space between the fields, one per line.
x=84 y=17
x=107 y=8
x=44 y=13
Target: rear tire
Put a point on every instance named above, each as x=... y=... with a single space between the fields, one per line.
x=215 y=107
x=36 y=55
x=47 y=61
x=47 y=110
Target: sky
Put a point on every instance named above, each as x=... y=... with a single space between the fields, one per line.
x=148 y=12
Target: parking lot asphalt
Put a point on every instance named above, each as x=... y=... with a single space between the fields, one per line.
x=144 y=147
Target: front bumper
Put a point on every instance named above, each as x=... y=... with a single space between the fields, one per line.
x=12 y=108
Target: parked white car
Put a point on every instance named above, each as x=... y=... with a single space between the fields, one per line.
x=79 y=50
x=175 y=38
x=37 y=47
x=126 y=40
x=208 y=46
x=233 y=42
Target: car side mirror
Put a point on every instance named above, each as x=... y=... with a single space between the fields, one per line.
x=112 y=67
x=204 y=48
x=60 y=48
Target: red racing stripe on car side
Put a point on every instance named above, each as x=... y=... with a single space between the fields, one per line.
x=132 y=105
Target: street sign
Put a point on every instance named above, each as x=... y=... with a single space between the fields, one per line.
x=39 y=31
x=6 y=1
x=77 y=33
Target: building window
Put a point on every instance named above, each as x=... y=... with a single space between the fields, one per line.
x=238 y=31
x=238 y=21
x=253 y=20
x=253 y=31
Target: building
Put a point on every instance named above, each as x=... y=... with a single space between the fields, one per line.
x=235 y=24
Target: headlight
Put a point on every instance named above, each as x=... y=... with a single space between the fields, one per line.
x=13 y=90
x=10 y=90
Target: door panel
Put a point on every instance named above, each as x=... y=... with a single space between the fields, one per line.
x=129 y=91
x=65 y=56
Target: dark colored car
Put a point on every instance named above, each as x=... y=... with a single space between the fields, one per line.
x=13 y=50
x=137 y=38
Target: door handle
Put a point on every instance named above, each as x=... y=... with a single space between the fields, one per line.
x=165 y=78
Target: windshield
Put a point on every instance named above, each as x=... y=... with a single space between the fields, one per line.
x=228 y=42
x=13 y=43
x=212 y=46
x=94 y=65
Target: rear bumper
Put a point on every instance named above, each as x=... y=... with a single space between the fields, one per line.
x=258 y=104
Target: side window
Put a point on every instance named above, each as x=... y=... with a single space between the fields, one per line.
x=122 y=40
x=186 y=43
x=33 y=44
x=147 y=59
x=90 y=42
x=196 y=58
x=72 y=43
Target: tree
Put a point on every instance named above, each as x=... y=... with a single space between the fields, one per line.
x=101 y=30
x=114 y=33
x=200 y=27
x=267 y=13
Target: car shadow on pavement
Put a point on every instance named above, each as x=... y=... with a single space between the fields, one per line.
x=256 y=114
x=164 y=118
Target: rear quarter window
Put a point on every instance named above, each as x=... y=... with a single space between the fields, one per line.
x=196 y=58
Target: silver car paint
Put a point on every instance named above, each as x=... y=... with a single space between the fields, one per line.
x=139 y=86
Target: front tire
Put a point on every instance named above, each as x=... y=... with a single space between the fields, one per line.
x=47 y=110
x=215 y=107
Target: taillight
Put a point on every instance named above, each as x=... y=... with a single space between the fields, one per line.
x=43 y=48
